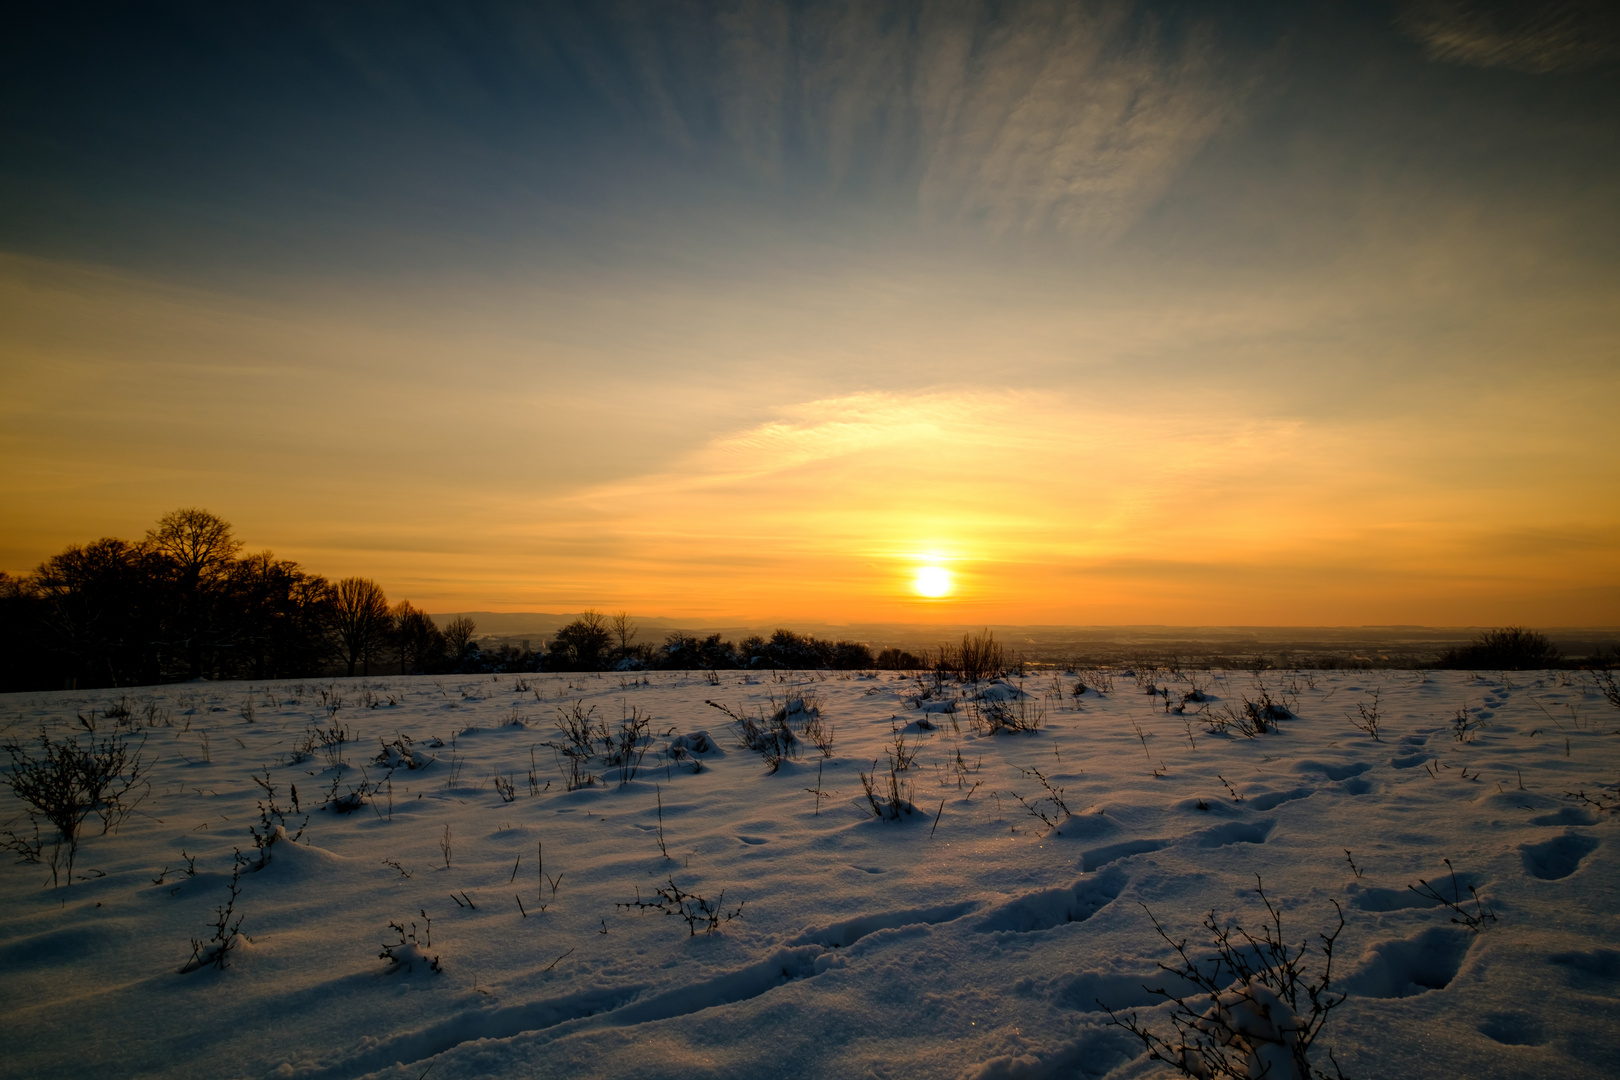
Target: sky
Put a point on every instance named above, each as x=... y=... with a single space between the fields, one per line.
x=1108 y=313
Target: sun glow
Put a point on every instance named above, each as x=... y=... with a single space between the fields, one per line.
x=933 y=582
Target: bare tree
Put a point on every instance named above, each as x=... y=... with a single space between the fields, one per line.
x=98 y=607
x=458 y=635
x=416 y=639
x=200 y=543
x=360 y=621
x=624 y=630
x=280 y=616
x=200 y=548
x=580 y=644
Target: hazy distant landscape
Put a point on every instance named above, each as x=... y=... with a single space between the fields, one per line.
x=1208 y=646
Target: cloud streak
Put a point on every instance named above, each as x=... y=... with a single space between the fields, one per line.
x=1020 y=117
x=1541 y=37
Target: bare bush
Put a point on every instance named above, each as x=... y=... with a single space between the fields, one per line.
x=66 y=783
x=578 y=745
x=889 y=798
x=773 y=739
x=1607 y=685
x=629 y=745
x=819 y=732
x=1256 y=1010
x=1512 y=648
x=1054 y=795
x=979 y=657
x=1369 y=716
x=992 y=716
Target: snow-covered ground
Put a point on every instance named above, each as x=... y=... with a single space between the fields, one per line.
x=968 y=938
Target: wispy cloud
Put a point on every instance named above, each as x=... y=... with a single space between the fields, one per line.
x=1020 y=117
x=1534 y=36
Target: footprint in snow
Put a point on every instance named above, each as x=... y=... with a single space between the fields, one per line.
x=1233 y=832
x=1514 y=1029
x=1270 y=800
x=1568 y=815
x=1407 y=967
x=1050 y=908
x=1595 y=964
x=1558 y=858
x=1097 y=858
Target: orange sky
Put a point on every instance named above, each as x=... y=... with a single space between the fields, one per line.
x=358 y=446
x=1197 y=326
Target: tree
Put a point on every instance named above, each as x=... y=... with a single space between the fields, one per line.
x=280 y=616
x=360 y=621
x=851 y=655
x=200 y=543
x=624 y=630
x=199 y=549
x=417 y=640
x=687 y=653
x=98 y=606
x=581 y=644
x=25 y=661
x=458 y=636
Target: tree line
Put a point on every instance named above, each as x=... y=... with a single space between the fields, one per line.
x=185 y=602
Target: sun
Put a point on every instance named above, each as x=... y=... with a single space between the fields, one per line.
x=932 y=582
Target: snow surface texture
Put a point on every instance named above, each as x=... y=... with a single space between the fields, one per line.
x=966 y=938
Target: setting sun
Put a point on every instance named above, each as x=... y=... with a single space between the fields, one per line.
x=932 y=582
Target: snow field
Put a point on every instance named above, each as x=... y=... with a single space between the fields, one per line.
x=966 y=938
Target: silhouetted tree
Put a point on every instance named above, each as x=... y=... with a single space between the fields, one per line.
x=624 y=631
x=417 y=641
x=582 y=645
x=98 y=609
x=752 y=651
x=199 y=550
x=25 y=662
x=360 y=622
x=851 y=655
x=177 y=605
x=458 y=636
x=281 y=618
x=686 y=653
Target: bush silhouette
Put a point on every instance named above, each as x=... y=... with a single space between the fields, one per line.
x=1511 y=648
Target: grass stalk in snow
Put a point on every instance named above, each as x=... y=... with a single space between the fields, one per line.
x=409 y=949
x=216 y=951
x=1369 y=716
x=888 y=800
x=659 y=795
x=266 y=833
x=696 y=911
x=818 y=791
x=1475 y=920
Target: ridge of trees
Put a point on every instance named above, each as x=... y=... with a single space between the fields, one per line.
x=184 y=603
